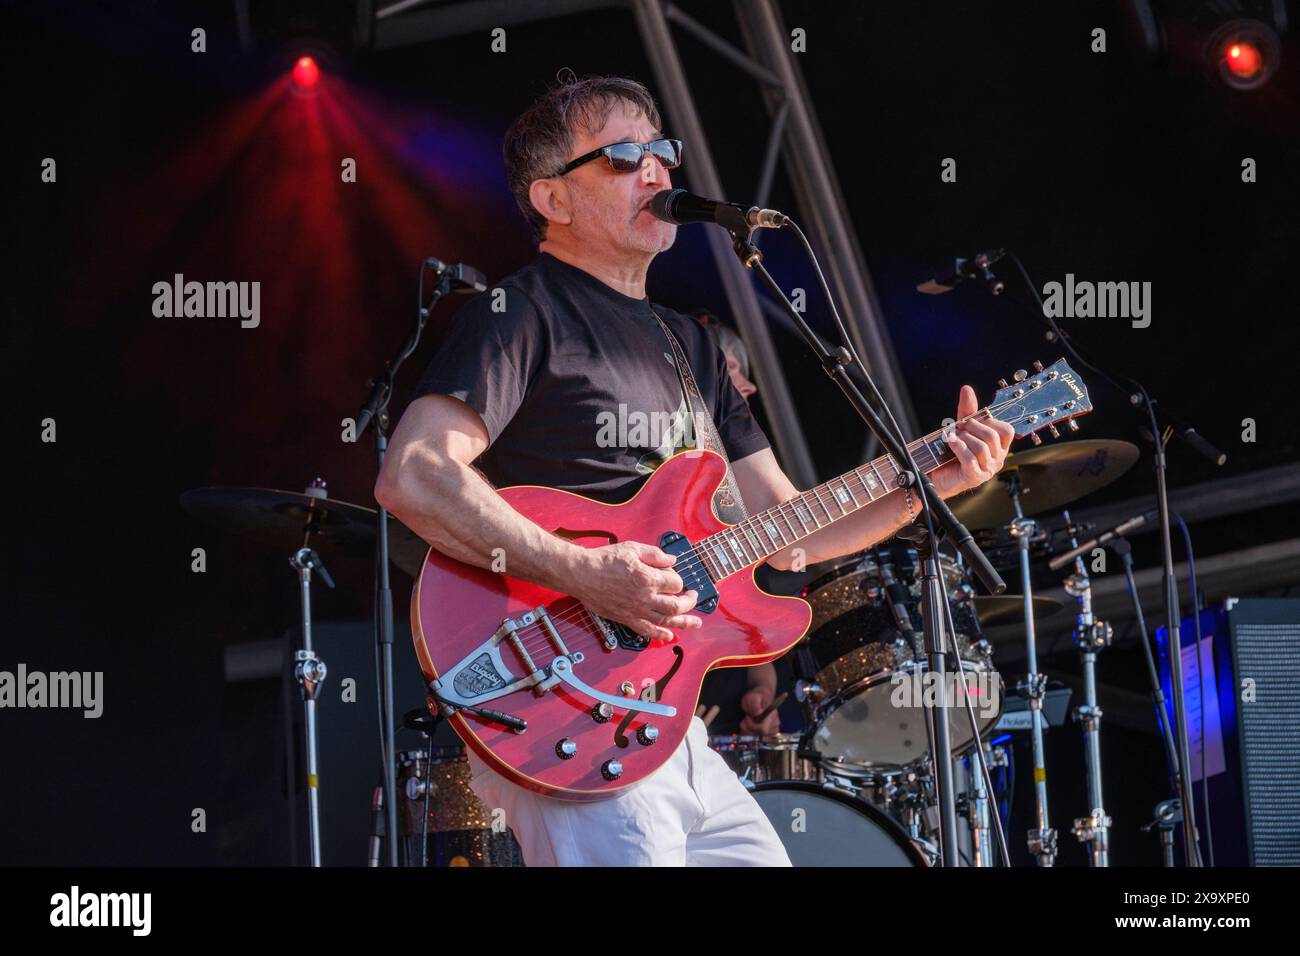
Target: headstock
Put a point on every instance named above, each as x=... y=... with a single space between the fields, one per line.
x=1040 y=399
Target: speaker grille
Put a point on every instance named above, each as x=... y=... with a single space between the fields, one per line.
x=1269 y=655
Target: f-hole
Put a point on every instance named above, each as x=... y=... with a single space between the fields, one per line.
x=619 y=738
x=570 y=535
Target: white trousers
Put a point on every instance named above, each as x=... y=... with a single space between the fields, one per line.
x=692 y=811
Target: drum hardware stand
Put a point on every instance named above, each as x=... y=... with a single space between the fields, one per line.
x=975 y=804
x=310 y=671
x=425 y=724
x=1091 y=636
x=1169 y=816
x=460 y=278
x=1144 y=405
x=986 y=811
x=1042 y=839
x=908 y=800
x=896 y=600
x=985 y=777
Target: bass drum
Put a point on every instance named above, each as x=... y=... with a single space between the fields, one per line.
x=825 y=827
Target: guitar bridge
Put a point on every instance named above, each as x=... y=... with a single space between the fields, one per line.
x=483 y=675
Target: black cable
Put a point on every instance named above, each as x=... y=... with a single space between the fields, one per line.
x=421 y=316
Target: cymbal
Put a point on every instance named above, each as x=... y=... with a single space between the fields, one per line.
x=997 y=609
x=1050 y=476
x=280 y=519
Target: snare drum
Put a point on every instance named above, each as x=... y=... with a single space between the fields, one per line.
x=877 y=724
x=863 y=692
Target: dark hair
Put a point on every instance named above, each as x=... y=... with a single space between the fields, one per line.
x=537 y=144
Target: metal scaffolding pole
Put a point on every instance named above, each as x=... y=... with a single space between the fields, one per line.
x=818 y=192
x=702 y=177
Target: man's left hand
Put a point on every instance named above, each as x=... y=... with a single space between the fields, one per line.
x=980 y=446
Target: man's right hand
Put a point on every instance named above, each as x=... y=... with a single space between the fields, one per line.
x=634 y=584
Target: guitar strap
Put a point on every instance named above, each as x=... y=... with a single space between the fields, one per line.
x=704 y=431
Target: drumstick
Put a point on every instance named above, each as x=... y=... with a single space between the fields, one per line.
x=710 y=714
x=780 y=699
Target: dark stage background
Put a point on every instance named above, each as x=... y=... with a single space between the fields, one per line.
x=209 y=165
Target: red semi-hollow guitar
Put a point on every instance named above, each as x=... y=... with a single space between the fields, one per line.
x=574 y=706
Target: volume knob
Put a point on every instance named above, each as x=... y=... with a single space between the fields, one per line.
x=611 y=769
x=565 y=748
x=647 y=735
x=602 y=712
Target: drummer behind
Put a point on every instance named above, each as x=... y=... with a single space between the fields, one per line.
x=740 y=694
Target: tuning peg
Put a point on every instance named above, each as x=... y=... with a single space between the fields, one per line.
x=1002 y=383
x=1033 y=437
x=1074 y=426
x=1020 y=375
x=1053 y=431
x=1038 y=366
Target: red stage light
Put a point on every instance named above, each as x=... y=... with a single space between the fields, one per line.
x=306 y=72
x=1243 y=59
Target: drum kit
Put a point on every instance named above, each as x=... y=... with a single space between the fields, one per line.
x=861 y=773
x=863 y=765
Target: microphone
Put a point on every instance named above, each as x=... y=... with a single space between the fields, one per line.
x=463 y=278
x=1121 y=529
x=964 y=270
x=682 y=208
x=896 y=598
x=377 y=826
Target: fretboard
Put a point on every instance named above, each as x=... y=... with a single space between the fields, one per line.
x=761 y=535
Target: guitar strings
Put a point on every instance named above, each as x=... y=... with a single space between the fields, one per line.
x=786 y=509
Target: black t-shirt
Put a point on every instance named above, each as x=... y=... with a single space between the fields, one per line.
x=576 y=383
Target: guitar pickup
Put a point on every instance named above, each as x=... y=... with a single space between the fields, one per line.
x=691 y=571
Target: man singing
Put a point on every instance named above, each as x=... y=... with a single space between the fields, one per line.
x=517 y=394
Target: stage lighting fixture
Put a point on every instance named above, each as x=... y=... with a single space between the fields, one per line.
x=1244 y=53
x=305 y=72
x=1235 y=43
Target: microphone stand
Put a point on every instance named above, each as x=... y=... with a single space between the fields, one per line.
x=1139 y=398
x=834 y=364
x=375 y=410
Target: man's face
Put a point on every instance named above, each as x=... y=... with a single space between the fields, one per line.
x=609 y=208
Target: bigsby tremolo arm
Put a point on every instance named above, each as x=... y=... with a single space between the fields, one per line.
x=561 y=668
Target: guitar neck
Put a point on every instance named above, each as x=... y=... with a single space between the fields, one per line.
x=761 y=535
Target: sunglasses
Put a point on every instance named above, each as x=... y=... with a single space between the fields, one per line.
x=627 y=157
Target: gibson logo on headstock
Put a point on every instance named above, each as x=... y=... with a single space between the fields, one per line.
x=1068 y=379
